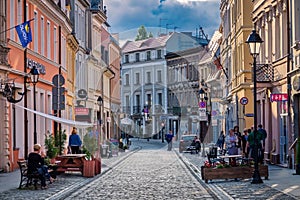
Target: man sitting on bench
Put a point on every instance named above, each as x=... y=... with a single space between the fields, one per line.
x=36 y=165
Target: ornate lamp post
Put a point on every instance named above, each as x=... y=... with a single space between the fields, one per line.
x=254 y=41
x=34 y=78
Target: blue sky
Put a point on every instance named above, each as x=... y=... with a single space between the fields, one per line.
x=125 y=16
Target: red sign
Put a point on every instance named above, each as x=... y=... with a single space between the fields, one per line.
x=278 y=97
x=81 y=111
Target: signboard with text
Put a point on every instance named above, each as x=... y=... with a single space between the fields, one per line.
x=278 y=97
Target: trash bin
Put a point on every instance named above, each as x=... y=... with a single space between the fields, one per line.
x=104 y=150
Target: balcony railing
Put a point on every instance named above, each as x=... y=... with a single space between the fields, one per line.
x=3 y=55
x=137 y=109
x=126 y=109
x=264 y=73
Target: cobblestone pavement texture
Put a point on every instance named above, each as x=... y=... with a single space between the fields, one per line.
x=150 y=173
x=147 y=174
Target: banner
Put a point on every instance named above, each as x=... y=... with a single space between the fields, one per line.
x=24 y=33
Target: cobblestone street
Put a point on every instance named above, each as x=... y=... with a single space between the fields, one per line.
x=147 y=174
x=149 y=171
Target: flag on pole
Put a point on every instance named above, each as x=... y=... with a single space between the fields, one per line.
x=24 y=33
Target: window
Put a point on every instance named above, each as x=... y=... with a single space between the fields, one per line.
x=137 y=78
x=148 y=77
x=42 y=37
x=137 y=100
x=48 y=40
x=126 y=58
x=148 y=55
x=35 y=34
x=12 y=19
x=159 y=54
x=159 y=98
x=148 y=102
x=55 y=47
x=127 y=79
x=159 y=76
x=137 y=57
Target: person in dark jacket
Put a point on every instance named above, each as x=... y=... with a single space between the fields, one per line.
x=74 y=142
x=36 y=164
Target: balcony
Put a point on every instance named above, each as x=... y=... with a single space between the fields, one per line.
x=264 y=73
x=137 y=109
x=126 y=109
x=3 y=55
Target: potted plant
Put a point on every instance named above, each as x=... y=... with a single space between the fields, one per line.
x=90 y=147
x=60 y=140
x=52 y=150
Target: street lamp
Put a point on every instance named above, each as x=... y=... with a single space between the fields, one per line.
x=34 y=78
x=254 y=41
x=100 y=102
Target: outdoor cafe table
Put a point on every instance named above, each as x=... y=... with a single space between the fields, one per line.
x=71 y=162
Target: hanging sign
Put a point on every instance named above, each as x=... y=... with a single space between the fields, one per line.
x=278 y=97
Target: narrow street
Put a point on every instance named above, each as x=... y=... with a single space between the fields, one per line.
x=150 y=173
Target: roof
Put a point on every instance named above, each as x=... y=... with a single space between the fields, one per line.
x=150 y=43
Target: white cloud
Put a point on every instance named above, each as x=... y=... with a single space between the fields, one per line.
x=186 y=15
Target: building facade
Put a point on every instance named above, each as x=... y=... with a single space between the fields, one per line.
x=144 y=90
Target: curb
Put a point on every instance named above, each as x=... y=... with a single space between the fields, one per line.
x=214 y=191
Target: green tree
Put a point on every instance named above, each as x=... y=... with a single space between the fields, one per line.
x=142 y=33
x=150 y=35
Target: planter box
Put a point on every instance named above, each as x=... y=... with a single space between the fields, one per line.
x=232 y=172
x=97 y=166
x=88 y=168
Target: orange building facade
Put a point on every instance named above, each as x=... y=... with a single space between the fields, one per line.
x=51 y=51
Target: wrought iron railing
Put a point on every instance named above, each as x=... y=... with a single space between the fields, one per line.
x=4 y=55
x=264 y=73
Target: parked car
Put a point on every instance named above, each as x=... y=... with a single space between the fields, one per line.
x=185 y=142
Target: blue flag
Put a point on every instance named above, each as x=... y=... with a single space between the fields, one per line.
x=24 y=33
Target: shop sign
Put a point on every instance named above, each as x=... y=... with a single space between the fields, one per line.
x=81 y=111
x=31 y=63
x=278 y=97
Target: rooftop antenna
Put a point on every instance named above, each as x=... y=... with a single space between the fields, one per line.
x=167 y=28
x=160 y=20
x=175 y=27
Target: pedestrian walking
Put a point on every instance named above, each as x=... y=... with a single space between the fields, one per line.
x=169 y=138
x=231 y=144
x=221 y=140
x=245 y=148
x=75 y=142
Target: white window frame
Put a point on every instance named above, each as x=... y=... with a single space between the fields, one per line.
x=42 y=36
x=48 y=40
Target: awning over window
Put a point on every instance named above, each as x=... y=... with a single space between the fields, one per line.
x=59 y=120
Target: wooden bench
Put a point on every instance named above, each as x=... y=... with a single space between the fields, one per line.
x=26 y=178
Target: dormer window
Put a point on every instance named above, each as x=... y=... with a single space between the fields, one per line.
x=159 y=54
x=148 y=55
x=137 y=57
x=126 y=58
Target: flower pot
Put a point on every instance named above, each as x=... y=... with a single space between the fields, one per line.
x=89 y=168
